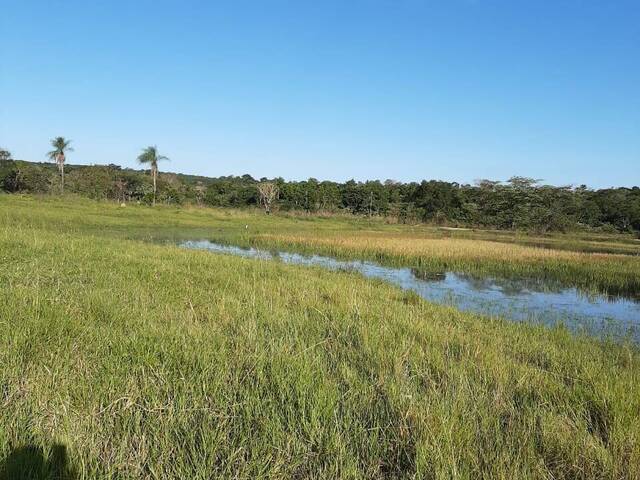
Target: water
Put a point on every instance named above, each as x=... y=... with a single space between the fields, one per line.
x=530 y=300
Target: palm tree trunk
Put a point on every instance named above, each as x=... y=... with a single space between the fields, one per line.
x=155 y=173
x=62 y=175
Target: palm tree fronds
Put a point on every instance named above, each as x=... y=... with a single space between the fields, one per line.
x=150 y=155
x=60 y=146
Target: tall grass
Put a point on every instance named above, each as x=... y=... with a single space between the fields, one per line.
x=608 y=273
x=149 y=361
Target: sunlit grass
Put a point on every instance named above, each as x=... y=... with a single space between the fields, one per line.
x=608 y=273
x=150 y=361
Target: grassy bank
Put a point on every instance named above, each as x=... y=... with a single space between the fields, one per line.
x=148 y=361
x=561 y=259
x=594 y=272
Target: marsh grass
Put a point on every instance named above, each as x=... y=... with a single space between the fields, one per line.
x=150 y=361
x=611 y=274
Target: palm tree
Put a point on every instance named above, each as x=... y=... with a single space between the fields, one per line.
x=150 y=155
x=60 y=147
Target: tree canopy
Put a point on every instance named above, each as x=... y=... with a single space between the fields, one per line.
x=518 y=204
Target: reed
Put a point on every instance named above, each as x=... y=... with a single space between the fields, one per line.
x=613 y=274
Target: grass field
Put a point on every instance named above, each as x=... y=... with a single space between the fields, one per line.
x=573 y=263
x=122 y=357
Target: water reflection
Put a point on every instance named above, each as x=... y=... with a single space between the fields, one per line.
x=429 y=276
x=535 y=300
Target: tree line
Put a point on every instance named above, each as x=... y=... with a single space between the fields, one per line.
x=516 y=204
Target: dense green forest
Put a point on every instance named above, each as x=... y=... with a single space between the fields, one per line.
x=518 y=203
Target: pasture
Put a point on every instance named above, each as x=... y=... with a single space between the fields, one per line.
x=140 y=359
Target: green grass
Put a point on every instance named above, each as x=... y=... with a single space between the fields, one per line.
x=564 y=260
x=143 y=360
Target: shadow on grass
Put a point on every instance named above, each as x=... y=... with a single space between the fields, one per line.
x=31 y=463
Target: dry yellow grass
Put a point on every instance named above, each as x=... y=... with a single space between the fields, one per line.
x=611 y=273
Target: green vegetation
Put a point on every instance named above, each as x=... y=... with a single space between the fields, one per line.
x=427 y=248
x=151 y=157
x=58 y=155
x=143 y=360
x=592 y=273
x=519 y=204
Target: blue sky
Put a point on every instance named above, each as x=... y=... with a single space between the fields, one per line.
x=407 y=89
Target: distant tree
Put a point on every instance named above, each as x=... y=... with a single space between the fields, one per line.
x=519 y=203
x=5 y=154
x=9 y=176
x=523 y=182
x=200 y=191
x=487 y=184
x=120 y=190
x=268 y=192
x=58 y=155
x=438 y=201
x=150 y=156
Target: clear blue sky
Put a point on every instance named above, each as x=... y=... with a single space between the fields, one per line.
x=405 y=89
